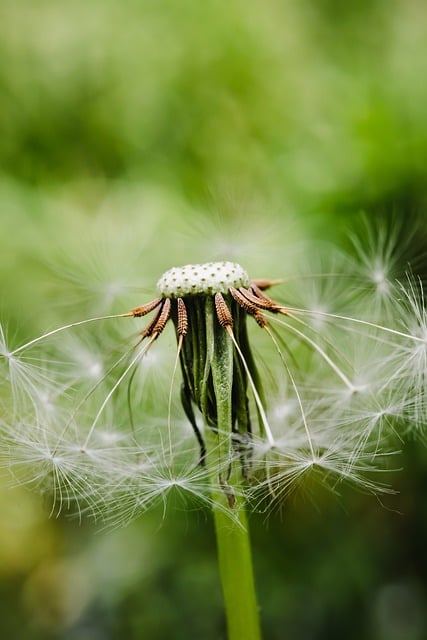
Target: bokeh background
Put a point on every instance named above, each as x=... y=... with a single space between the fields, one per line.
x=140 y=134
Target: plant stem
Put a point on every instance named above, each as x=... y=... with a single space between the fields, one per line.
x=232 y=534
x=236 y=573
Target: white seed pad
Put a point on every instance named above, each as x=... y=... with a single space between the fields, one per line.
x=208 y=278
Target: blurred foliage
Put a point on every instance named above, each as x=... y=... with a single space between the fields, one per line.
x=154 y=115
x=315 y=101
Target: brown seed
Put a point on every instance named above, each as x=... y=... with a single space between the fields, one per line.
x=182 y=325
x=222 y=311
x=138 y=312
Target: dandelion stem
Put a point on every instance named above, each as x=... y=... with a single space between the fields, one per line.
x=232 y=534
x=236 y=573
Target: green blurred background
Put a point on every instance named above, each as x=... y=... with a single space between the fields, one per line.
x=137 y=134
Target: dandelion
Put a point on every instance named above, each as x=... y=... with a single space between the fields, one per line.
x=90 y=423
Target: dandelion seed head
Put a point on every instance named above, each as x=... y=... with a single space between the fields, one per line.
x=208 y=278
x=101 y=425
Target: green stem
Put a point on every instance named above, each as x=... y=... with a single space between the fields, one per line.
x=232 y=534
x=236 y=573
